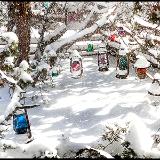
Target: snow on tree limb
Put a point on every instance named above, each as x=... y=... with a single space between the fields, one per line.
x=57 y=45
x=144 y=23
x=56 y=31
x=12 y=105
x=9 y=79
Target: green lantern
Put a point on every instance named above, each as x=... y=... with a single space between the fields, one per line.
x=46 y=5
x=123 y=63
x=90 y=48
x=54 y=74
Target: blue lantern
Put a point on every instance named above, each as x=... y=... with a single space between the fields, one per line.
x=20 y=123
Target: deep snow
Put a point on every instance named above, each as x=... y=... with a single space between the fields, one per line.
x=79 y=109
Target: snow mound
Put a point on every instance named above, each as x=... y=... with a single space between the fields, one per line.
x=43 y=65
x=10 y=37
x=139 y=135
x=9 y=61
x=24 y=65
x=122 y=51
x=75 y=54
x=141 y=62
x=40 y=149
x=25 y=77
x=52 y=53
x=154 y=88
x=157 y=76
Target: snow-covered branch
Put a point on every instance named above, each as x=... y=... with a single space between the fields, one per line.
x=106 y=18
x=144 y=23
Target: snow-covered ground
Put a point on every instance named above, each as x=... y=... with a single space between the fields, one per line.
x=79 y=109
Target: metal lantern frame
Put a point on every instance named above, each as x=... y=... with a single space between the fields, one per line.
x=79 y=60
x=103 y=60
x=119 y=75
x=121 y=32
x=21 y=130
x=112 y=37
x=141 y=72
x=90 y=47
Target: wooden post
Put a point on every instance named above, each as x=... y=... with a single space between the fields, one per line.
x=29 y=129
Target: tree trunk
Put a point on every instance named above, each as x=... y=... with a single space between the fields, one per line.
x=22 y=20
x=11 y=21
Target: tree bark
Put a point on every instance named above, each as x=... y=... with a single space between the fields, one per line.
x=22 y=20
x=11 y=21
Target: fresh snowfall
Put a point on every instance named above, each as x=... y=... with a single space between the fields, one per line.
x=90 y=113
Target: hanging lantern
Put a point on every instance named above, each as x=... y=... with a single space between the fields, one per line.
x=141 y=73
x=76 y=65
x=121 y=32
x=90 y=47
x=20 y=123
x=73 y=16
x=46 y=5
x=154 y=90
x=103 y=62
x=141 y=66
x=122 y=64
x=54 y=72
x=112 y=38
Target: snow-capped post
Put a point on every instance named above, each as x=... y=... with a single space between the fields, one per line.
x=154 y=90
x=103 y=61
x=122 y=63
x=76 y=67
x=141 y=66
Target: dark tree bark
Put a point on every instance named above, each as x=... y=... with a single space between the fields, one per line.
x=11 y=12
x=22 y=20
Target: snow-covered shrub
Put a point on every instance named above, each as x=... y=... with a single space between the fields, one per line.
x=127 y=141
x=21 y=73
x=113 y=138
x=10 y=50
x=139 y=137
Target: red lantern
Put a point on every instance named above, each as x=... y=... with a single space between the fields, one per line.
x=76 y=67
x=141 y=73
x=112 y=38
